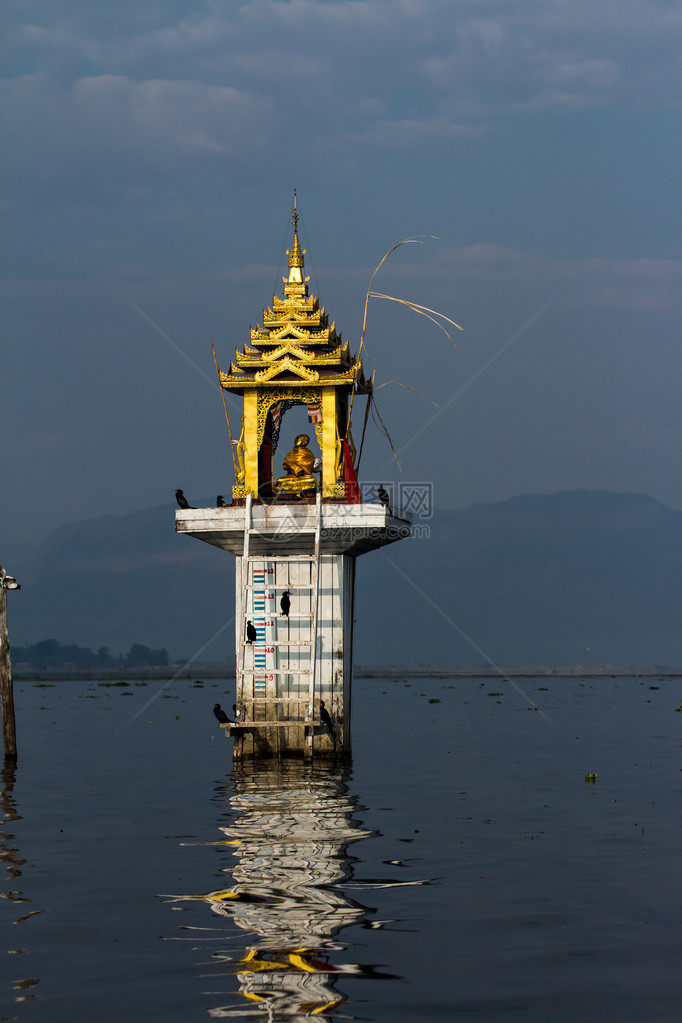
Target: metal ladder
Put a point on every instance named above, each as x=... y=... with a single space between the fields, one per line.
x=253 y=580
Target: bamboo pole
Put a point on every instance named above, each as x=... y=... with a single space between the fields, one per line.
x=227 y=418
x=9 y=728
x=370 y=397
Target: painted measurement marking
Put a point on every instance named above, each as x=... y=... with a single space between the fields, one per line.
x=259 y=659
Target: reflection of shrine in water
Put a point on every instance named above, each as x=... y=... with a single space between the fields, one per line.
x=292 y=828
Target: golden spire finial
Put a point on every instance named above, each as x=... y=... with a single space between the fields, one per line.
x=295 y=254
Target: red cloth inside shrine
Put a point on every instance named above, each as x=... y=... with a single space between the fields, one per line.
x=353 y=495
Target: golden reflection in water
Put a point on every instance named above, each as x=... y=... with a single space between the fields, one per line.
x=290 y=835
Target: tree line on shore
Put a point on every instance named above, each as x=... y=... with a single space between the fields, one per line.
x=49 y=654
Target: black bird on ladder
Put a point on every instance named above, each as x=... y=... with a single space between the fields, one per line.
x=326 y=720
x=285 y=603
x=251 y=633
x=182 y=500
x=221 y=715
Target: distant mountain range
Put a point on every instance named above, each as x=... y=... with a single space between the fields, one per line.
x=583 y=577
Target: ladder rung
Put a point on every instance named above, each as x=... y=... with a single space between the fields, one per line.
x=258 y=531
x=283 y=699
x=291 y=642
x=273 y=724
x=269 y=559
x=276 y=671
x=259 y=701
x=259 y=643
x=303 y=614
x=289 y=586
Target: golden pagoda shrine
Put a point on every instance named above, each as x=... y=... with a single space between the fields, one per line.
x=295 y=534
x=295 y=358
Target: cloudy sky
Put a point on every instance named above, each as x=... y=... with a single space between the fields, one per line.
x=151 y=153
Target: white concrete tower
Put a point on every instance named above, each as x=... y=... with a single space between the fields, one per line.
x=296 y=537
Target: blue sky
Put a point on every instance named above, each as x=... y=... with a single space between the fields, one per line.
x=151 y=153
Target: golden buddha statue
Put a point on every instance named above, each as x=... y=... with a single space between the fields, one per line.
x=298 y=464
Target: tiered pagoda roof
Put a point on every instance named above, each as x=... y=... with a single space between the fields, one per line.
x=296 y=344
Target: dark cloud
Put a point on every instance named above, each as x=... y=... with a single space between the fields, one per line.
x=151 y=151
x=138 y=95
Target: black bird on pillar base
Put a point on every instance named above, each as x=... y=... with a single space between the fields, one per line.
x=221 y=715
x=220 y=502
x=182 y=500
x=285 y=603
x=251 y=633
x=326 y=720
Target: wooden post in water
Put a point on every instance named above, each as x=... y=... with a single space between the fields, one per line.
x=9 y=728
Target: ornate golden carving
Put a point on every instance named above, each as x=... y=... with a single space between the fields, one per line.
x=303 y=302
x=240 y=476
x=294 y=253
x=239 y=493
x=290 y=328
x=266 y=399
x=257 y=360
x=335 y=490
x=281 y=366
x=345 y=378
x=302 y=317
x=321 y=358
x=319 y=434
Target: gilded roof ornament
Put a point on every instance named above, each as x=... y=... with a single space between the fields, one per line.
x=295 y=345
x=295 y=253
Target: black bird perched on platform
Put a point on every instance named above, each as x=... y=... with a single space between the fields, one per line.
x=221 y=715
x=182 y=500
x=383 y=496
x=326 y=720
x=220 y=502
x=285 y=603
x=251 y=633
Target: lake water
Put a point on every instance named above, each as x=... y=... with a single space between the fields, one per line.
x=461 y=867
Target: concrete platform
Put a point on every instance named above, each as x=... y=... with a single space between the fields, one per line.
x=289 y=529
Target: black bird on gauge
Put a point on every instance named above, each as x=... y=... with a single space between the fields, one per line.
x=251 y=634
x=221 y=715
x=285 y=603
x=326 y=720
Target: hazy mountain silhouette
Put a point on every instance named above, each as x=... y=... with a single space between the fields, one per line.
x=579 y=577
